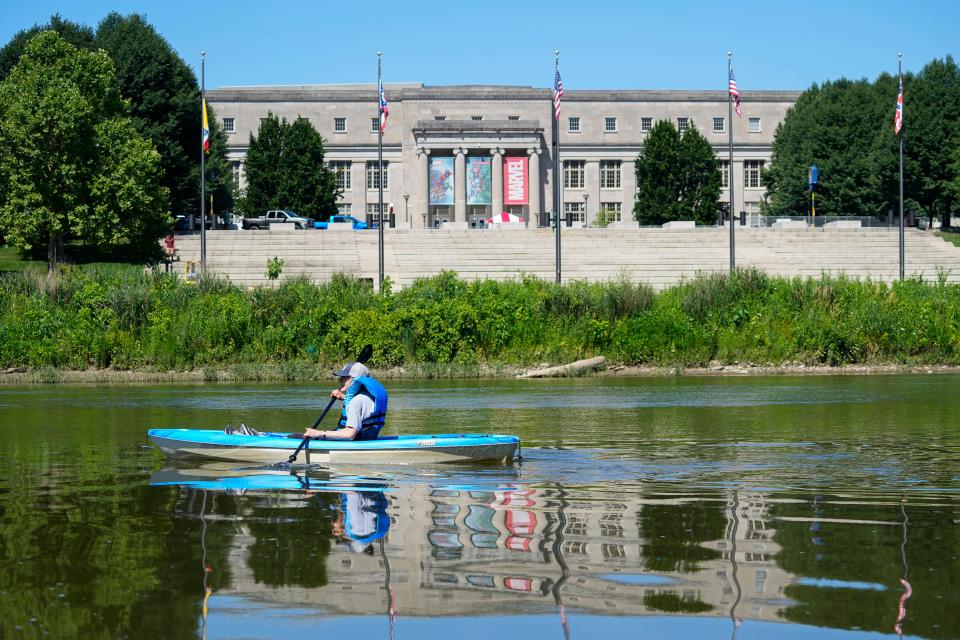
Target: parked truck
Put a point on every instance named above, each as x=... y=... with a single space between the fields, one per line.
x=279 y=216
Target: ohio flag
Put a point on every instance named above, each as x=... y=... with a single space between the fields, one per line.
x=384 y=110
x=898 y=116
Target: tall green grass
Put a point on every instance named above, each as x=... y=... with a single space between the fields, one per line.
x=135 y=320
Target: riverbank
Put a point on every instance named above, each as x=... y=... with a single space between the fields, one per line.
x=102 y=326
x=275 y=374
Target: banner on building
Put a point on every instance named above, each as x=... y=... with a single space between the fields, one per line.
x=441 y=180
x=479 y=180
x=515 y=180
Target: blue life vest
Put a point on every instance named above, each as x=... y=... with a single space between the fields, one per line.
x=373 y=423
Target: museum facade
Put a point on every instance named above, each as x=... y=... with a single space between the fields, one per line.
x=459 y=154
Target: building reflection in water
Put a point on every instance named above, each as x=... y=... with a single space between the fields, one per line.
x=417 y=550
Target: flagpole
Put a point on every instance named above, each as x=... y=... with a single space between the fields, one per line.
x=733 y=261
x=203 y=167
x=380 y=173
x=900 y=135
x=556 y=167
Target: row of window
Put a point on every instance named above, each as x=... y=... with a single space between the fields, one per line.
x=574 y=174
x=610 y=124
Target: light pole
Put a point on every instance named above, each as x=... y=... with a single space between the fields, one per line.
x=406 y=209
x=586 y=197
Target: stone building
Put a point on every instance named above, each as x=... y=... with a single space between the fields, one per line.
x=458 y=154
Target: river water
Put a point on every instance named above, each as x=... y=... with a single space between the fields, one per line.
x=795 y=507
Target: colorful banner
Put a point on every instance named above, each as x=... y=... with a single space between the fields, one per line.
x=479 y=181
x=441 y=181
x=515 y=181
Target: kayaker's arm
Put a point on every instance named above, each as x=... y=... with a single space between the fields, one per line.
x=347 y=433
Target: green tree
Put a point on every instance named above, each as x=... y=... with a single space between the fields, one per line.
x=677 y=177
x=285 y=169
x=71 y=161
x=846 y=129
x=165 y=104
x=78 y=35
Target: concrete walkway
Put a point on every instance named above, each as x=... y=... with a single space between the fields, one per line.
x=659 y=257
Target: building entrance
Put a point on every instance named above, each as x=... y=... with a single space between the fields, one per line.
x=477 y=215
x=438 y=215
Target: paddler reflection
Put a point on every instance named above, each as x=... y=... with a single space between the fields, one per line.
x=361 y=520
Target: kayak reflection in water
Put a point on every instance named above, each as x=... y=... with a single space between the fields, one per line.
x=364 y=406
x=362 y=519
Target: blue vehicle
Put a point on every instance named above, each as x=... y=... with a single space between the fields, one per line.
x=357 y=224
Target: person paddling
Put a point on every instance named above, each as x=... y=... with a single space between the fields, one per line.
x=364 y=406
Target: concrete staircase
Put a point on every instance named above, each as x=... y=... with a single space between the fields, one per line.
x=659 y=257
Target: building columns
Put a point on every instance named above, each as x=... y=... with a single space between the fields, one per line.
x=534 y=170
x=497 y=204
x=423 y=183
x=460 y=185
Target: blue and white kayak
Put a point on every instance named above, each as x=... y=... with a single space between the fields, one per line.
x=277 y=447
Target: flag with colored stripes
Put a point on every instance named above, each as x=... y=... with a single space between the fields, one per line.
x=735 y=93
x=206 y=129
x=557 y=94
x=898 y=116
x=384 y=110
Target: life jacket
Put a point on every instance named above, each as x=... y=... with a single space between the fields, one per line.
x=373 y=423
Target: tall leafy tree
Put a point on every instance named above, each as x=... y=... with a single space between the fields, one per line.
x=72 y=163
x=677 y=177
x=846 y=128
x=80 y=36
x=165 y=104
x=285 y=169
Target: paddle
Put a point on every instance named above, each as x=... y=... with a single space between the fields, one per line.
x=362 y=358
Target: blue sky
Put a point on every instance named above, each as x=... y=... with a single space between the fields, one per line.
x=604 y=44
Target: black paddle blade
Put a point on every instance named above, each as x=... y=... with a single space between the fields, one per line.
x=365 y=354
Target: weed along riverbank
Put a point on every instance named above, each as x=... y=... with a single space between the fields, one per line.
x=106 y=325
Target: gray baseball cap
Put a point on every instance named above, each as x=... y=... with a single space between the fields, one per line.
x=352 y=370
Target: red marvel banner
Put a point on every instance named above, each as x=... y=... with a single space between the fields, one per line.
x=515 y=180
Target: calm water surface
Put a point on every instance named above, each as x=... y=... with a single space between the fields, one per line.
x=821 y=507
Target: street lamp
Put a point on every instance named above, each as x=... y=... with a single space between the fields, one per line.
x=406 y=208
x=586 y=197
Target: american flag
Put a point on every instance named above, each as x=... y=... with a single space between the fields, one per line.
x=384 y=110
x=898 y=116
x=557 y=94
x=735 y=93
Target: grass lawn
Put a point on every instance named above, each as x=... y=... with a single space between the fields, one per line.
x=10 y=260
x=950 y=236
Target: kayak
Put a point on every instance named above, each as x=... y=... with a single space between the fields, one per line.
x=277 y=447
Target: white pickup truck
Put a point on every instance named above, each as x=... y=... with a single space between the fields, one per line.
x=279 y=216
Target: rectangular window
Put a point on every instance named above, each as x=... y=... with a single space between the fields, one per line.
x=476 y=118
x=718 y=125
x=751 y=173
x=236 y=167
x=439 y=118
x=613 y=209
x=574 y=211
x=374 y=125
x=646 y=124
x=724 y=166
x=344 y=208
x=513 y=117
x=341 y=173
x=683 y=123
x=610 y=124
x=228 y=125
x=609 y=174
x=373 y=176
x=573 y=124
x=754 y=125
x=573 y=174
x=339 y=125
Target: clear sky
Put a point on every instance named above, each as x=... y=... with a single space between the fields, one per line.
x=604 y=44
